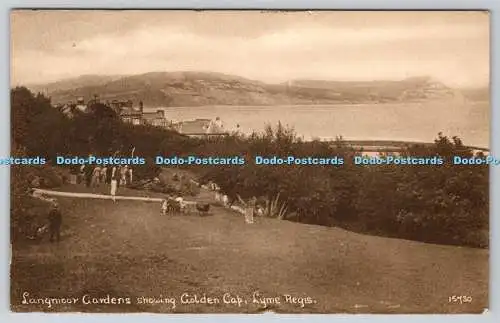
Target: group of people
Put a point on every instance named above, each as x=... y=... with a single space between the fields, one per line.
x=94 y=176
x=224 y=199
x=115 y=176
x=172 y=204
x=99 y=175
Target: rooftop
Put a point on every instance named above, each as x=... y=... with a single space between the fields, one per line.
x=153 y=115
x=198 y=126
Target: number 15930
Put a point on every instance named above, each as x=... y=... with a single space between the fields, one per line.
x=460 y=299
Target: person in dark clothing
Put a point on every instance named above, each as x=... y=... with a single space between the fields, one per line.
x=109 y=174
x=55 y=221
x=88 y=175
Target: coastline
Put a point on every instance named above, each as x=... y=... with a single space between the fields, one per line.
x=325 y=105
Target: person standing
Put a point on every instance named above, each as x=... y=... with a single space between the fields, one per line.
x=130 y=173
x=96 y=175
x=109 y=172
x=123 y=175
x=55 y=221
x=114 y=183
x=181 y=204
x=104 y=175
x=81 y=175
x=88 y=175
x=250 y=210
x=164 y=206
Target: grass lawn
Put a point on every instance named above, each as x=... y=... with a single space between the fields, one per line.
x=128 y=250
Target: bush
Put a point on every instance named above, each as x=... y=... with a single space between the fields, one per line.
x=189 y=188
x=27 y=213
x=50 y=177
x=439 y=204
x=443 y=204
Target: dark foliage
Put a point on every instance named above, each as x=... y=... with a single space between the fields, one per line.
x=439 y=204
x=39 y=129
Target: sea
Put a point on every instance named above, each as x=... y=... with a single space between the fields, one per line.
x=416 y=122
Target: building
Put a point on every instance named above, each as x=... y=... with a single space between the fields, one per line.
x=71 y=108
x=156 y=119
x=117 y=106
x=129 y=114
x=125 y=110
x=201 y=128
x=80 y=105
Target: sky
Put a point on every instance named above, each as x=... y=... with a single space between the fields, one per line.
x=273 y=47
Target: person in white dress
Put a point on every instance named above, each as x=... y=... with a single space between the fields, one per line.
x=114 y=184
x=164 y=206
x=123 y=175
x=250 y=210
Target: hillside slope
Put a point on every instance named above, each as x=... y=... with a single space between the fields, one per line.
x=208 y=88
x=73 y=83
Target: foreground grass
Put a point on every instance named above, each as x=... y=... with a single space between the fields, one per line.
x=128 y=250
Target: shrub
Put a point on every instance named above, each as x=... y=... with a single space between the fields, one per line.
x=440 y=204
x=443 y=204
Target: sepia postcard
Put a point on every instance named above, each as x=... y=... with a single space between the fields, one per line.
x=178 y=161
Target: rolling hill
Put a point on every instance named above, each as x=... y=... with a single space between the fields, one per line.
x=74 y=83
x=209 y=88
